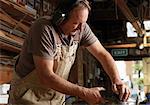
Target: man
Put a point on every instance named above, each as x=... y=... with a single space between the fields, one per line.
x=47 y=55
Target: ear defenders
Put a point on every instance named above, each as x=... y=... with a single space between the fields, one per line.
x=63 y=9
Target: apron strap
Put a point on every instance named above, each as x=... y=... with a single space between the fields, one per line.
x=77 y=36
x=56 y=36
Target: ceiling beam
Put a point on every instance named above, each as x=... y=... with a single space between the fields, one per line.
x=132 y=45
x=128 y=14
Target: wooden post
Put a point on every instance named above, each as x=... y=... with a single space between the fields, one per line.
x=146 y=67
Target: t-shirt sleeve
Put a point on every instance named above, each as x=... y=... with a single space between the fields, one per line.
x=41 y=41
x=88 y=36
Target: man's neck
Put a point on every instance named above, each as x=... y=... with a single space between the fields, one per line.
x=63 y=29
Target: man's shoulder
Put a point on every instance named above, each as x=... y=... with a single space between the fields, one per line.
x=86 y=26
x=43 y=21
x=44 y=18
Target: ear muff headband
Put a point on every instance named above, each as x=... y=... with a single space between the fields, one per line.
x=61 y=12
x=65 y=6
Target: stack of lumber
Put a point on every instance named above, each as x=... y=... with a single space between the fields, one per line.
x=6 y=68
x=16 y=17
x=15 y=21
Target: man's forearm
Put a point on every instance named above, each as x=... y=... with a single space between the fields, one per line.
x=110 y=67
x=50 y=79
x=59 y=84
x=108 y=63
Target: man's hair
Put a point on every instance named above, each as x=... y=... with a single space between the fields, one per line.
x=82 y=4
x=78 y=4
x=65 y=7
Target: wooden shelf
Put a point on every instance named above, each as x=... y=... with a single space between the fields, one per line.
x=132 y=45
x=17 y=11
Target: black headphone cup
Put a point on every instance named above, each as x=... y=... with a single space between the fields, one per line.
x=61 y=13
x=58 y=17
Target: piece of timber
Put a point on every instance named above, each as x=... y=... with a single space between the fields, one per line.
x=16 y=10
x=9 y=44
x=5 y=61
x=13 y=22
x=126 y=11
x=9 y=47
x=6 y=38
x=5 y=74
x=16 y=38
x=12 y=31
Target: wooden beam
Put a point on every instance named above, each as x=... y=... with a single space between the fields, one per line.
x=121 y=46
x=133 y=45
x=126 y=11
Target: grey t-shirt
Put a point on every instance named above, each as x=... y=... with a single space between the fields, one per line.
x=40 y=42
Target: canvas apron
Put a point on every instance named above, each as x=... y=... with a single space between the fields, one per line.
x=28 y=90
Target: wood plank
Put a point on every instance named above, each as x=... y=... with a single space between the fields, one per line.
x=6 y=74
x=17 y=7
x=13 y=22
x=9 y=44
x=18 y=39
x=121 y=46
x=12 y=31
x=2 y=35
x=9 y=47
x=129 y=15
x=17 y=12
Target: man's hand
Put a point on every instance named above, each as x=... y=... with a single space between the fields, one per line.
x=122 y=90
x=92 y=96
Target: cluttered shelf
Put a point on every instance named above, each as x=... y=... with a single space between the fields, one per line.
x=16 y=17
x=15 y=21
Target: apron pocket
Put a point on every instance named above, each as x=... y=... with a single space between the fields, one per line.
x=44 y=94
x=24 y=96
x=28 y=96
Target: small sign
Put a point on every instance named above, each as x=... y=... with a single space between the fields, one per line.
x=119 y=52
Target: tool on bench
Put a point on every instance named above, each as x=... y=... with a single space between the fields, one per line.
x=111 y=98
